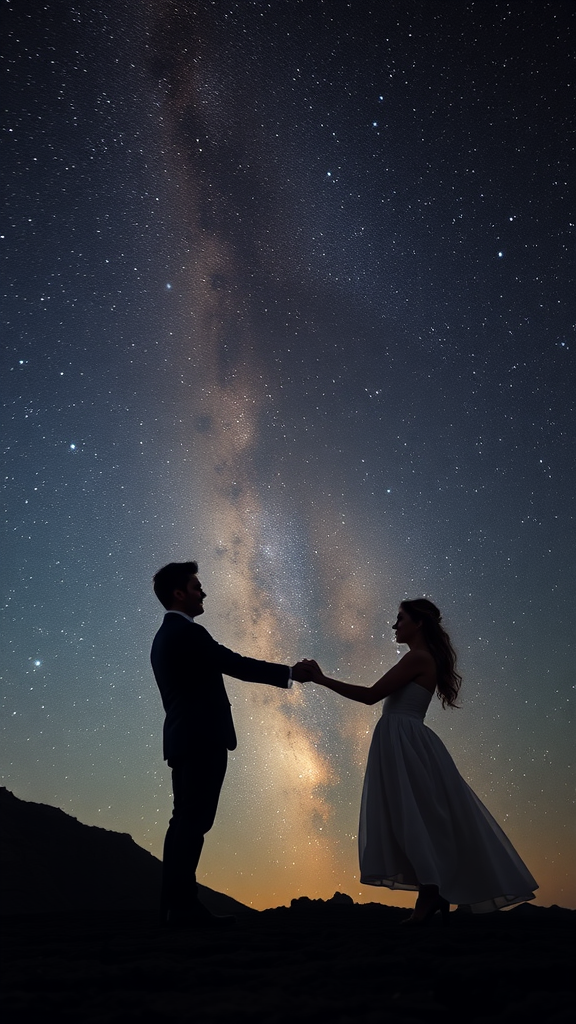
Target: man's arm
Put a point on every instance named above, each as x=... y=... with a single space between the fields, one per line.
x=251 y=669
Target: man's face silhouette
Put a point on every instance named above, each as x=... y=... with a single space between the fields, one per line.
x=190 y=601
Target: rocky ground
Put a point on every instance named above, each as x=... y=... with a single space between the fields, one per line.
x=343 y=964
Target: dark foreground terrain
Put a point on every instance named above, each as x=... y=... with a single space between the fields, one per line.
x=82 y=945
x=313 y=962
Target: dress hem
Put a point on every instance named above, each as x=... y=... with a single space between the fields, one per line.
x=487 y=906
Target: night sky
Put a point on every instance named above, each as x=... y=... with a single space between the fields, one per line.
x=289 y=290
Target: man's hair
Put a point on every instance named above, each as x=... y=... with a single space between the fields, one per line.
x=171 y=577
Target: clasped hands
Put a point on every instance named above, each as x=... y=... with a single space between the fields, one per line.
x=307 y=671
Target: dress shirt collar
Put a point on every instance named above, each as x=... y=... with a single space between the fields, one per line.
x=174 y=611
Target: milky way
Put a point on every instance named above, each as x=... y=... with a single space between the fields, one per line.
x=289 y=291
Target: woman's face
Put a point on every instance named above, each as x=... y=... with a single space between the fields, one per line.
x=405 y=628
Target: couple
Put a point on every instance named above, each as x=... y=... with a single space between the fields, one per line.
x=421 y=826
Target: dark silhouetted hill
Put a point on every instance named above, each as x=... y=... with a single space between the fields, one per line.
x=50 y=862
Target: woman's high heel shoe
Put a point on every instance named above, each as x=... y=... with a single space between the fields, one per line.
x=440 y=906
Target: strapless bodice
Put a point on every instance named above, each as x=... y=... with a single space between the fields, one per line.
x=412 y=700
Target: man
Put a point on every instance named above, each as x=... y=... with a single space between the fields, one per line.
x=198 y=731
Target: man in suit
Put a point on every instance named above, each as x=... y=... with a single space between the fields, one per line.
x=198 y=730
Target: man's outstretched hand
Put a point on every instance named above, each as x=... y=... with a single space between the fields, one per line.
x=301 y=672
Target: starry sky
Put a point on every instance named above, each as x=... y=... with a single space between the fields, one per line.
x=288 y=289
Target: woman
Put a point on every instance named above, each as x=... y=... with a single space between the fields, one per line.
x=421 y=826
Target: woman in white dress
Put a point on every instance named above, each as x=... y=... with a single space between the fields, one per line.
x=421 y=826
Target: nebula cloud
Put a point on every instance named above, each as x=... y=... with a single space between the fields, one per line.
x=281 y=773
x=331 y=400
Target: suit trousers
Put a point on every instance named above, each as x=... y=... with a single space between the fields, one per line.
x=196 y=783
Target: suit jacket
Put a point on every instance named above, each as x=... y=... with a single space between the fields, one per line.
x=188 y=666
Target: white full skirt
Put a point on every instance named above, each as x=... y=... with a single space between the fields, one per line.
x=421 y=824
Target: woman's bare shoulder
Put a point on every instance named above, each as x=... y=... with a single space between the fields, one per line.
x=419 y=656
x=422 y=664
